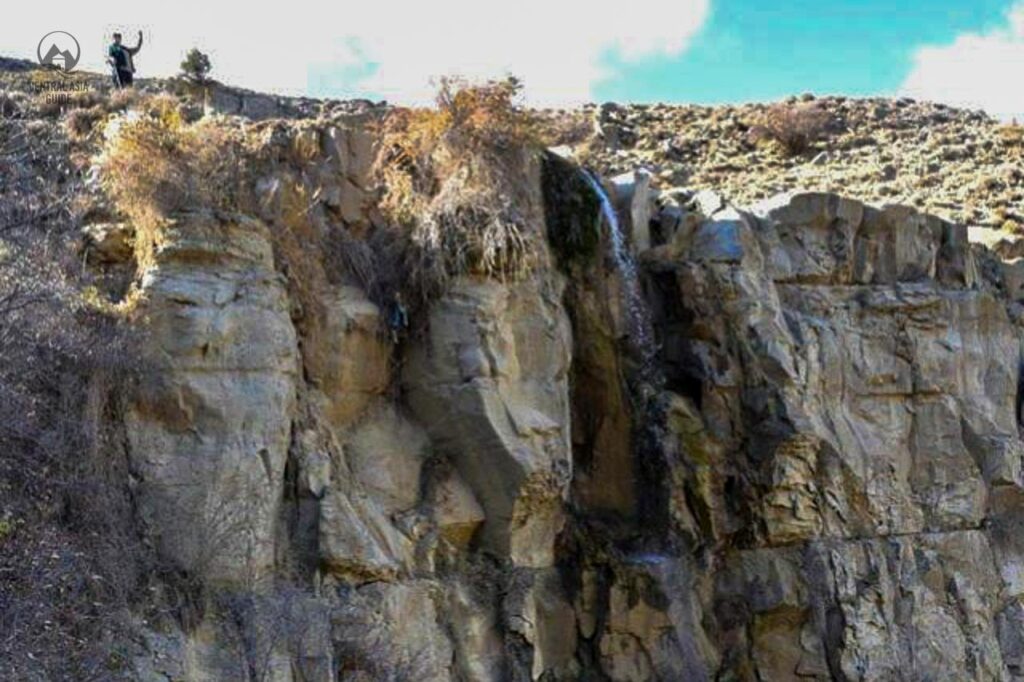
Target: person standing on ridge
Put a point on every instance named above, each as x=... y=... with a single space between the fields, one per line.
x=120 y=58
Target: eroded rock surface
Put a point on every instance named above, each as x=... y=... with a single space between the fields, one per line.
x=490 y=382
x=858 y=383
x=209 y=429
x=818 y=478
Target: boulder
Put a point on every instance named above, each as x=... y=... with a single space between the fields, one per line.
x=385 y=454
x=358 y=541
x=209 y=428
x=490 y=382
x=455 y=509
x=348 y=357
x=633 y=199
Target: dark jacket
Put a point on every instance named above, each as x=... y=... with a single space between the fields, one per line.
x=120 y=56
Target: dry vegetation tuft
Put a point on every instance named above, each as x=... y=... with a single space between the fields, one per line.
x=80 y=122
x=795 y=127
x=453 y=181
x=453 y=177
x=156 y=164
x=1012 y=134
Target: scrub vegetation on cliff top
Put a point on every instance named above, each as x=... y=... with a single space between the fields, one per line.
x=156 y=164
x=794 y=127
x=453 y=177
x=454 y=182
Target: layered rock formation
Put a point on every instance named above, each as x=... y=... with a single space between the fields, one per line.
x=209 y=431
x=816 y=475
x=858 y=391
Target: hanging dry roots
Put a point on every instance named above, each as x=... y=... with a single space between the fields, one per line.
x=452 y=177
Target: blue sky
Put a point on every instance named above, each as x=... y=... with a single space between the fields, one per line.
x=963 y=52
x=755 y=50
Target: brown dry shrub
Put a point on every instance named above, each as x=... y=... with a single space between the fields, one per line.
x=795 y=127
x=296 y=242
x=71 y=560
x=48 y=105
x=123 y=98
x=10 y=105
x=156 y=165
x=572 y=128
x=80 y=122
x=1012 y=134
x=350 y=260
x=453 y=178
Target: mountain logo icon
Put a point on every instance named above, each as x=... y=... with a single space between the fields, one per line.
x=59 y=49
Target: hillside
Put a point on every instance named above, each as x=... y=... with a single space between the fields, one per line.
x=958 y=164
x=962 y=165
x=298 y=390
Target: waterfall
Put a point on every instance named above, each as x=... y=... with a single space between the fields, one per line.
x=644 y=381
x=637 y=316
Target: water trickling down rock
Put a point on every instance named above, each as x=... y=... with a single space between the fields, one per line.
x=638 y=322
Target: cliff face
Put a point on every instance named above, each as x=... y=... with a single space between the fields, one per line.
x=854 y=460
x=411 y=493
x=819 y=475
x=765 y=443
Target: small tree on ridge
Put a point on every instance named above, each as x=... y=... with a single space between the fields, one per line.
x=196 y=66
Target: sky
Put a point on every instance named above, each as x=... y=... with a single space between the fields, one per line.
x=962 y=52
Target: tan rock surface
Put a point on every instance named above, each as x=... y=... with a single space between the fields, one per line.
x=490 y=383
x=208 y=430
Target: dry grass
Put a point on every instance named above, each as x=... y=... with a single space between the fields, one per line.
x=795 y=127
x=155 y=165
x=123 y=99
x=80 y=122
x=297 y=254
x=571 y=128
x=47 y=105
x=453 y=177
x=69 y=556
x=81 y=111
x=1012 y=134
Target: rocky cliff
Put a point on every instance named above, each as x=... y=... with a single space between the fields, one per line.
x=836 y=430
x=800 y=460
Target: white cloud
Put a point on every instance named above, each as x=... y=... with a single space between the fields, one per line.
x=980 y=70
x=558 y=47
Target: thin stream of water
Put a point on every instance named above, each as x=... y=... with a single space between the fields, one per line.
x=638 y=322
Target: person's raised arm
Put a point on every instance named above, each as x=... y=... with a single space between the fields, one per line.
x=138 y=45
